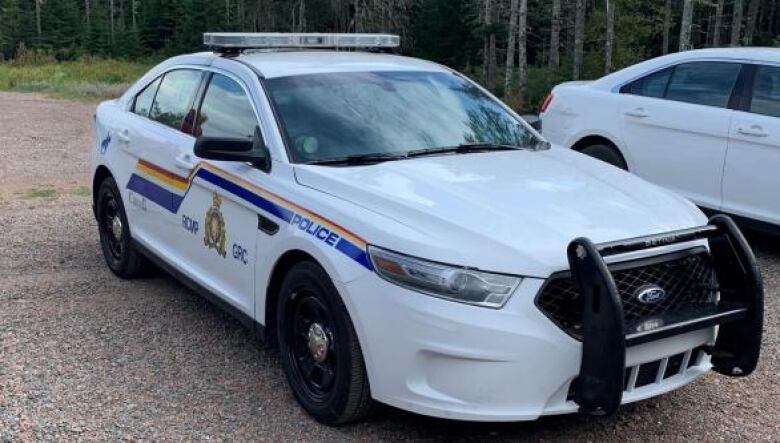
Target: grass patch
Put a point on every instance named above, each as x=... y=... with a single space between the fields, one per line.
x=44 y=193
x=86 y=79
x=82 y=191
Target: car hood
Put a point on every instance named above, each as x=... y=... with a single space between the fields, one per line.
x=509 y=211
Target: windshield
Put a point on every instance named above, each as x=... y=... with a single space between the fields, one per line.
x=332 y=116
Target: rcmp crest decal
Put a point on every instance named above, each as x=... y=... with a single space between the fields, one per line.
x=215 y=227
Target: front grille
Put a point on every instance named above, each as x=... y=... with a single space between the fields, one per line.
x=686 y=277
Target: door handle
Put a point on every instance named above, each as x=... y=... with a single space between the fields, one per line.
x=124 y=136
x=752 y=131
x=184 y=162
x=638 y=113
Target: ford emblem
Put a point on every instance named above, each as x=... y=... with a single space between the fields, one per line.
x=650 y=294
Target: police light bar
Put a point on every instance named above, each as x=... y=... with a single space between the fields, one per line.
x=233 y=41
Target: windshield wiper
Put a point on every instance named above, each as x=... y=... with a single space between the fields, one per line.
x=465 y=148
x=360 y=159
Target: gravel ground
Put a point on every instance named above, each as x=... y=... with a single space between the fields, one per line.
x=84 y=355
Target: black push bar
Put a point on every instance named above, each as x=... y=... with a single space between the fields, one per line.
x=598 y=389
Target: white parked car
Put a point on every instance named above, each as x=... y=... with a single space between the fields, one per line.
x=704 y=123
x=402 y=236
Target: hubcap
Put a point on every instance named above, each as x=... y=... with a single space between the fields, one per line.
x=312 y=350
x=111 y=227
x=318 y=342
x=116 y=228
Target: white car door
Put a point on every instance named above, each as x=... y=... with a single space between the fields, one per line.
x=676 y=124
x=751 y=180
x=156 y=136
x=218 y=222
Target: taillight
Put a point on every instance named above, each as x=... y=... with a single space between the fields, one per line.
x=546 y=103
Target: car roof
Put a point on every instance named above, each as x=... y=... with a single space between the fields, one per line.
x=752 y=53
x=288 y=63
x=743 y=54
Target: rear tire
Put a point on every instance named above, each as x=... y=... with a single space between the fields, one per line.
x=121 y=256
x=319 y=349
x=606 y=153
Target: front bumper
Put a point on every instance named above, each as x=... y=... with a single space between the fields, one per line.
x=450 y=360
x=599 y=387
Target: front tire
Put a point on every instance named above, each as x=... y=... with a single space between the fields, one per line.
x=607 y=154
x=121 y=256
x=319 y=349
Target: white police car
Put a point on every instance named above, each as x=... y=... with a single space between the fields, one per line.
x=404 y=237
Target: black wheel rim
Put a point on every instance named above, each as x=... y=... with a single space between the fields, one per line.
x=111 y=227
x=306 y=315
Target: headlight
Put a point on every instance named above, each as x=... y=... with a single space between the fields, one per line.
x=449 y=282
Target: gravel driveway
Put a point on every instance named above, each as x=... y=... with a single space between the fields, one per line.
x=84 y=355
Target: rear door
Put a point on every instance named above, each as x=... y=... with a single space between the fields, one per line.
x=157 y=140
x=676 y=126
x=751 y=180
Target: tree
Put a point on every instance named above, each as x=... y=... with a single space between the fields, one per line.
x=736 y=23
x=718 y=23
x=510 y=49
x=38 y=17
x=489 y=60
x=685 y=25
x=609 y=35
x=522 y=71
x=667 y=25
x=111 y=19
x=87 y=15
x=555 y=35
x=750 y=27
x=579 y=38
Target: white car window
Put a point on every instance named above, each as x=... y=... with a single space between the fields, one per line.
x=143 y=101
x=653 y=85
x=766 y=92
x=703 y=83
x=226 y=110
x=174 y=97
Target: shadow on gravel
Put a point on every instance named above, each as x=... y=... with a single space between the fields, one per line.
x=395 y=423
x=763 y=243
x=662 y=417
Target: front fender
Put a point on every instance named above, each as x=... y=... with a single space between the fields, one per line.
x=341 y=268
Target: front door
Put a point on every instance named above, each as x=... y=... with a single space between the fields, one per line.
x=678 y=136
x=751 y=180
x=217 y=226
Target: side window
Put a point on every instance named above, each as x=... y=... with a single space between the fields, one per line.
x=143 y=101
x=174 y=97
x=703 y=83
x=653 y=85
x=226 y=110
x=766 y=91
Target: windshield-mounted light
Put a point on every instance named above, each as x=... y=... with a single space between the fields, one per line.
x=444 y=281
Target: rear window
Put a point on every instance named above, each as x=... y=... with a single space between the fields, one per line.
x=766 y=92
x=701 y=83
x=174 y=97
x=704 y=83
x=143 y=101
x=653 y=85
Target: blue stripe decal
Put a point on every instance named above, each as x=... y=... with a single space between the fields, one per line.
x=156 y=193
x=241 y=192
x=172 y=201
x=355 y=253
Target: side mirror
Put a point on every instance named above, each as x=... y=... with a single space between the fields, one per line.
x=252 y=150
